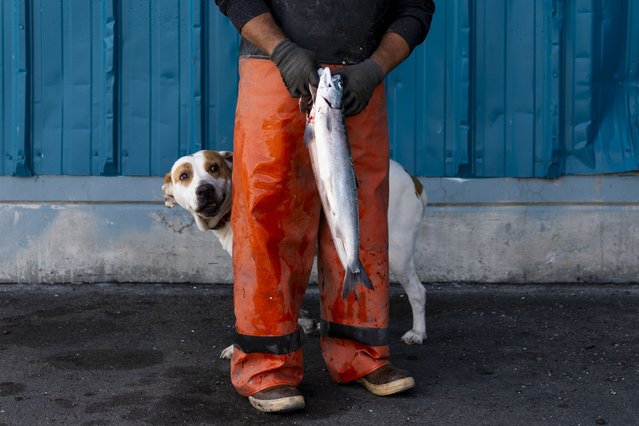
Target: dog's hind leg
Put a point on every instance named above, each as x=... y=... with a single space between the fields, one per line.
x=407 y=200
x=417 y=297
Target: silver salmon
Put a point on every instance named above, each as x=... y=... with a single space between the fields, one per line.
x=325 y=137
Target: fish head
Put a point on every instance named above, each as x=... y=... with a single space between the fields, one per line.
x=330 y=89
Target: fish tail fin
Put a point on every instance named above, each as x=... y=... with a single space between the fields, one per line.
x=354 y=276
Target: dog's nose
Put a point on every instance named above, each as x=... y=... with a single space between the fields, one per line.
x=205 y=192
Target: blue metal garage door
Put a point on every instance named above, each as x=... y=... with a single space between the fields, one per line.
x=500 y=88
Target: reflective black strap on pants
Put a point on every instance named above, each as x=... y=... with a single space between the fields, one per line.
x=366 y=335
x=277 y=345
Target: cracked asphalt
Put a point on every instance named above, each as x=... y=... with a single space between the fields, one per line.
x=119 y=354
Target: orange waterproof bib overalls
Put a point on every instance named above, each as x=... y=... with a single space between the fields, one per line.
x=278 y=225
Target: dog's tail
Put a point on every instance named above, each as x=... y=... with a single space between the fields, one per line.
x=420 y=192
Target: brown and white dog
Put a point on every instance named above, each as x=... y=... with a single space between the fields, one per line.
x=201 y=184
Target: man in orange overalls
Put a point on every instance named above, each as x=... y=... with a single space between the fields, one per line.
x=277 y=220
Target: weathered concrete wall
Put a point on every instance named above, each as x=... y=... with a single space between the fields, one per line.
x=93 y=229
x=66 y=229
x=106 y=243
x=530 y=244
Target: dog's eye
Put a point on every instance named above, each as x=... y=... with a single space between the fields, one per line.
x=184 y=176
x=215 y=168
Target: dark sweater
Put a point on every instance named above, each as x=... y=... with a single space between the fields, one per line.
x=338 y=31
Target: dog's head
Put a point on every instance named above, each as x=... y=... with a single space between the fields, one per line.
x=201 y=183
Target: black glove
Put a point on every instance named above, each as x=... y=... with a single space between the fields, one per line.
x=297 y=66
x=360 y=81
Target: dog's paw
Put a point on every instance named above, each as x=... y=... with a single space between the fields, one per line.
x=413 y=338
x=308 y=325
x=227 y=353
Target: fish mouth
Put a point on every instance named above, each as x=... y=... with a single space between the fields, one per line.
x=330 y=88
x=330 y=105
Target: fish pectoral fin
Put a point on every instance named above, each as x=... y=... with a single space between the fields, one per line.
x=309 y=134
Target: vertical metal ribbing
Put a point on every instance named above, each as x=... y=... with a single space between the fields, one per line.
x=196 y=78
x=110 y=129
x=632 y=84
x=552 y=159
x=204 y=72
x=464 y=93
x=21 y=147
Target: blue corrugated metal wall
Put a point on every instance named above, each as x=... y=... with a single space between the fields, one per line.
x=161 y=88
x=501 y=87
x=521 y=88
x=14 y=89
x=70 y=128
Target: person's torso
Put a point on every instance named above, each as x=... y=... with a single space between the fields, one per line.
x=338 y=31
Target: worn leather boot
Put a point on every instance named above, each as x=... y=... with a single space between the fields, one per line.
x=387 y=380
x=278 y=399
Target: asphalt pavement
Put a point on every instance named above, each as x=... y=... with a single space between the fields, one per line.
x=119 y=354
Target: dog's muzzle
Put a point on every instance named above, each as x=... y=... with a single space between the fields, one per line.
x=208 y=204
x=205 y=193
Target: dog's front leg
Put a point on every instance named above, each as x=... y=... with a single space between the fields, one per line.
x=227 y=353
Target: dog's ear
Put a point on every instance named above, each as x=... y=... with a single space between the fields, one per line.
x=167 y=188
x=228 y=157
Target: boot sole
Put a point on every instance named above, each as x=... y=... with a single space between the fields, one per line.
x=391 y=388
x=280 y=405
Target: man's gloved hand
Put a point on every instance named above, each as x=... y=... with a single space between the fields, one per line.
x=297 y=66
x=360 y=80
